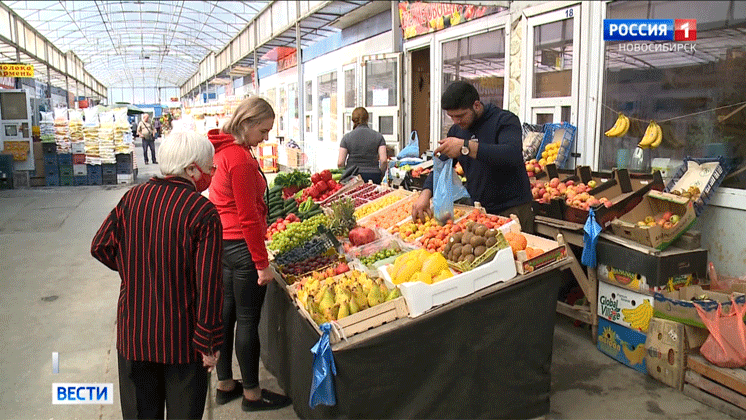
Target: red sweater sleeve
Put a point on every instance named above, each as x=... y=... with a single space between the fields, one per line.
x=248 y=189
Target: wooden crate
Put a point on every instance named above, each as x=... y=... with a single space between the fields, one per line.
x=720 y=388
x=364 y=320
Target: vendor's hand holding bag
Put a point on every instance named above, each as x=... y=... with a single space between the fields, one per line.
x=726 y=345
x=447 y=188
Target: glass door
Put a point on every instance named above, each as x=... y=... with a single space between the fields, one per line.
x=382 y=94
x=553 y=43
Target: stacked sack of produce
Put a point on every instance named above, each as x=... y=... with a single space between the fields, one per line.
x=46 y=127
x=106 y=138
x=76 y=126
x=90 y=137
x=121 y=130
x=62 y=131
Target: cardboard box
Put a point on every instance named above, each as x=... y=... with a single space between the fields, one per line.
x=665 y=352
x=657 y=268
x=633 y=309
x=553 y=251
x=654 y=204
x=295 y=157
x=622 y=344
x=636 y=281
x=695 y=336
x=678 y=306
x=624 y=191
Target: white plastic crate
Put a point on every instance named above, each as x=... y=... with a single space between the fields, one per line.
x=421 y=297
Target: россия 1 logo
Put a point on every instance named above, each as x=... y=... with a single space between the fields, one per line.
x=650 y=29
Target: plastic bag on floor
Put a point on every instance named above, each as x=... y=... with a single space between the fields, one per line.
x=447 y=188
x=322 y=385
x=726 y=345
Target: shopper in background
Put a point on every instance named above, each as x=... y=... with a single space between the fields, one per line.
x=165 y=240
x=157 y=126
x=238 y=191
x=363 y=147
x=486 y=140
x=146 y=131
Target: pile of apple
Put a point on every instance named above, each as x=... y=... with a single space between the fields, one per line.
x=533 y=167
x=667 y=220
x=575 y=195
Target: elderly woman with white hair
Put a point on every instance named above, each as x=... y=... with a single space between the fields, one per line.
x=165 y=240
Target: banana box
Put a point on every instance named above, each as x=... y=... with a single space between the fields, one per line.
x=622 y=344
x=625 y=307
x=636 y=281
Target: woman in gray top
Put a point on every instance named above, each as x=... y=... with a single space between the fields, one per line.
x=364 y=148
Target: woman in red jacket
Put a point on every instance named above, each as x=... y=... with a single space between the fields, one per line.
x=237 y=190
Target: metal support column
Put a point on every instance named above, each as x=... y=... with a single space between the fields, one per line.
x=300 y=92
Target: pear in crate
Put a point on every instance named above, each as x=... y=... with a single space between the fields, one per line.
x=344 y=310
x=327 y=300
x=393 y=294
x=361 y=300
x=374 y=296
x=353 y=307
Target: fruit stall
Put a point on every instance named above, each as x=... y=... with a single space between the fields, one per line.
x=416 y=308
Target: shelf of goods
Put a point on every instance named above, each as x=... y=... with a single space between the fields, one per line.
x=267 y=157
x=377 y=286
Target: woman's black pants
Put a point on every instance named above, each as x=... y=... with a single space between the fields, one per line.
x=242 y=307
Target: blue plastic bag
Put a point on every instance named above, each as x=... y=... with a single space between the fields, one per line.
x=447 y=188
x=591 y=231
x=413 y=148
x=322 y=385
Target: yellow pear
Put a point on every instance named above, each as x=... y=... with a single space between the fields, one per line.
x=393 y=294
x=327 y=300
x=344 y=310
x=353 y=307
x=359 y=297
x=374 y=297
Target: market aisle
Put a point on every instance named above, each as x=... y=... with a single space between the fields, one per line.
x=45 y=236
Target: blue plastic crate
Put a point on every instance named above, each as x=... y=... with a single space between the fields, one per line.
x=707 y=188
x=6 y=163
x=51 y=170
x=66 y=170
x=109 y=169
x=94 y=178
x=66 y=181
x=65 y=159
x=567 y=142
x=52 y=180
x=80 y=180
x=50 y=160
x=124 y=168
x=95 y=170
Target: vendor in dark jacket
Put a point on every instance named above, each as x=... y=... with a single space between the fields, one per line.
x=486 y=140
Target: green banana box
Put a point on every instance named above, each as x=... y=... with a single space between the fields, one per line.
x=632 y=309
x=622 y=344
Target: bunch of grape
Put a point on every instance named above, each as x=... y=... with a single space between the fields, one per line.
x=380 y=255
x=310 y=249
x=311 y=264
x=296 y=234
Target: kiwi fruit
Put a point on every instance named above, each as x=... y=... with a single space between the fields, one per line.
x=456 y=250
x=448 y=247
x=491 y=233
x=490 y=242
x=476 y=241
x=467 y=249
x=457 y=236
x=470 y=226
x=461 y=258
x=469 y=258
x=480 y=230
x=479 y=250
x=466 y=239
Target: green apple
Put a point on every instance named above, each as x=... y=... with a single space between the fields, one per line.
x=592 y=183
x=674 y=219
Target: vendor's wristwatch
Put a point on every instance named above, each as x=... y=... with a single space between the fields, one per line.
x=465 y=147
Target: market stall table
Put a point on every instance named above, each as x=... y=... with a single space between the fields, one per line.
x=487 y=355
x=573 y=234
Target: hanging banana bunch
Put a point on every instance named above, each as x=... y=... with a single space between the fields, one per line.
x=652 y=138
x=620 y=127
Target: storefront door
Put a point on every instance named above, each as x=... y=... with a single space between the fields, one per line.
x=382 y=94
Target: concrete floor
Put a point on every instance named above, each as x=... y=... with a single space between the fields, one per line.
x=54 y=297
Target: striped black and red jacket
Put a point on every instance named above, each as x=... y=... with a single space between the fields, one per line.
x=165 y=240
